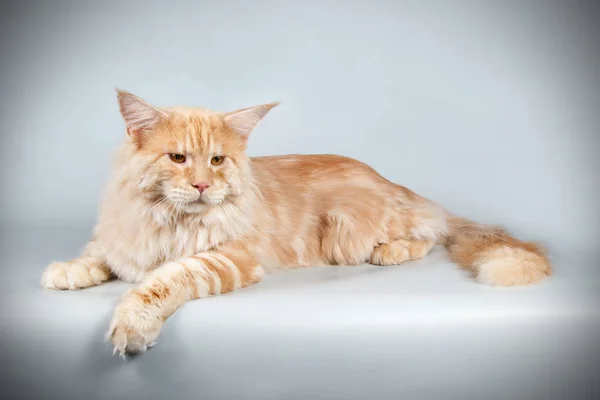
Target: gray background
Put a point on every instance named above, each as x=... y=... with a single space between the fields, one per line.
x=490 y=108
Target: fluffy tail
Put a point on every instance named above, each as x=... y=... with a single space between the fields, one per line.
x=494 y=256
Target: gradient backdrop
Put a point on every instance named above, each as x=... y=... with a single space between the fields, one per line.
x=490 y=107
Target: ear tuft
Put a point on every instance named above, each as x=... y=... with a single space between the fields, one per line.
x=139 y=115
x=245 y=120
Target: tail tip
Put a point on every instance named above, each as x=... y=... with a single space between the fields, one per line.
x=512 y=267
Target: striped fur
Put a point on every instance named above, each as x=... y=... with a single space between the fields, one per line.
x=156 y=228
x=142 y=311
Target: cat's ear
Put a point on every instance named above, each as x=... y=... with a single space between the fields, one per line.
x=139 y=115
x=245 y=120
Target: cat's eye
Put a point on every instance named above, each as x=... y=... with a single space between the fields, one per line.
x=217 y=160
x=177 y=158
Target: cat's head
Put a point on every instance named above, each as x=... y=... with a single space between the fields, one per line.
x=188 y=158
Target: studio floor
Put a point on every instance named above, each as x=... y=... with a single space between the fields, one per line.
x=417 y=331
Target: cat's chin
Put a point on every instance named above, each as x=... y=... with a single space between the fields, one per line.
x=196 y=207
x=201 y=205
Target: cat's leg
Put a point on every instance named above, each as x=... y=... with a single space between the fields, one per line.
x=401 y=250
x=141 y=313
x=346 y=241
x=88 y=270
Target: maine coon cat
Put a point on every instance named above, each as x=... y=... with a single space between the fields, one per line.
x=187 y=215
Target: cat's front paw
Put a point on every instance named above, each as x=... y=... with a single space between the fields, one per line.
x=76 y=274
x=134 y=327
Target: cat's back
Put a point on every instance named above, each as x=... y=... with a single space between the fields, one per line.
x=311 y=168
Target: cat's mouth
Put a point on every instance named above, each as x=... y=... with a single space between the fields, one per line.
x=199 y=200
x=205 y=201
x=195 y=202
x=211 y=200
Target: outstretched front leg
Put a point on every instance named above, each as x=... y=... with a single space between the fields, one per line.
x=401 y=250
x=141 y=313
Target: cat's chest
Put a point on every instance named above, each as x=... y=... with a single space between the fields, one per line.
x=134 y=246
x=135 y=250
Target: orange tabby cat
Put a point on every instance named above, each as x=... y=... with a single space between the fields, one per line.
x=189 y=215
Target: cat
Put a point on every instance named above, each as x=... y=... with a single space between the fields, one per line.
x=187 y=214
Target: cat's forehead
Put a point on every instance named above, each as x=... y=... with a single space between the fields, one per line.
x=194 y=130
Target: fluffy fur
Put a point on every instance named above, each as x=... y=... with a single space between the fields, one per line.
x=191 y=229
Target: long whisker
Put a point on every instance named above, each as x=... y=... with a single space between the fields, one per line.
x=148 y=211
x=171 y=209
x=180 y=209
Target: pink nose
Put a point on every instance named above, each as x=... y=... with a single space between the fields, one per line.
x=201 y=186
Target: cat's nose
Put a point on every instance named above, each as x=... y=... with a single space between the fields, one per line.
x=201 y=186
